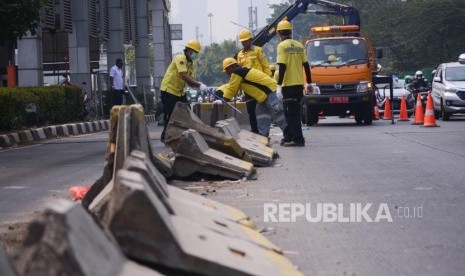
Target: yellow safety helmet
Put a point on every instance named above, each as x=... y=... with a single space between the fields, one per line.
x=284 y=25
x=228 y=62
x=194 y=45
x=245 y=35
x=332 y=58
x=272 y=67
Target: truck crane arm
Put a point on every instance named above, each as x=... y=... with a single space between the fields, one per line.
x=301 y=6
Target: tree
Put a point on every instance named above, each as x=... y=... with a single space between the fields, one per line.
x=209 y=64
x=414 y=34
x=19 y=17
x=300 y=25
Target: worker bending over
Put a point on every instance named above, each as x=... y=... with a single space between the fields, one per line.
x=251 y=56
x=259 y=86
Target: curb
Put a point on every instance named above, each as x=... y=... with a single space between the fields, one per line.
x=31 y=136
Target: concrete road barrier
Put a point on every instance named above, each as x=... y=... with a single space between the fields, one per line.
x=127 y=132
x=139 y=162
x=261 y=154
x=183 y=119
x=194 y=155
x=65 y=240
x=211 y=113
x=237 y=132
x=213 y=215
x=159 y=238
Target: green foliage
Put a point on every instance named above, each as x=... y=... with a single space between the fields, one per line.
x=414 y=34
x=300 y=27
x=18 y=17
x=52 y=104
x=209 y=64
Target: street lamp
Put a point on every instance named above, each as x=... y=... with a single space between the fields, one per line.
x=211 y=36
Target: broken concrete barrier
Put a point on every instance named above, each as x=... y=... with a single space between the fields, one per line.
x=65 y=240
x=194 y=155
x=183 y=119
x=148 y=232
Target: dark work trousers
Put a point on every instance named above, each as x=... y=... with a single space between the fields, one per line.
x=292 y=96
x=169 y=102
x=117 y=96
x=251 y=106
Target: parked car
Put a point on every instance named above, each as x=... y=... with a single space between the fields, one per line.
x=448 y=89
x=399 y=89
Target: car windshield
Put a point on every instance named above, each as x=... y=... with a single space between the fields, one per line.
x=455 y=73
x=337 y=52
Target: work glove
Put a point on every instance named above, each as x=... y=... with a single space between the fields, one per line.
x=203 y=87
x=279 y=92
x=308 y=88
x=218 y=102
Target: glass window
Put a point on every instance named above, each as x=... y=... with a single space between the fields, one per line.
x=337 y=51
x=455 y=73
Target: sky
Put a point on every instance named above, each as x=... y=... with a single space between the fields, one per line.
x=228 y=18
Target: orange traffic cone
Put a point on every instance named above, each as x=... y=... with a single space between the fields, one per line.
x=321 y=115
x=430 y=121
x=419 y=117
x=387 y=110
x=376 y=110
x=403 y=110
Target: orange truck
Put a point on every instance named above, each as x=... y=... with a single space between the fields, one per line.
x=343 y=64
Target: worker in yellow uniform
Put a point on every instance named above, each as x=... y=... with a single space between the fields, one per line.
x=290 y=59
x=180 y=72
x=251 y=56
x=259 y=86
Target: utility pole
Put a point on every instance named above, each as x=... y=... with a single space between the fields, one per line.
x=253 y=22
x=211 y=33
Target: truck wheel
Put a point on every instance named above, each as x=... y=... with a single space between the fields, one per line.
x=368 y=115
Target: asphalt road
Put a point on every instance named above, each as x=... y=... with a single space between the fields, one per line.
x=417 y=173
x=33 y=175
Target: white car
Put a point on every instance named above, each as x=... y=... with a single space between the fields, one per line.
x=399 y=90
x=448 y=89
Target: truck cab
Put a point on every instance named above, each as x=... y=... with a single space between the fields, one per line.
x=342 y=69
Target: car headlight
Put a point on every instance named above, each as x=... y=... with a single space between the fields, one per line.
x=451 y=90
x=363 y=87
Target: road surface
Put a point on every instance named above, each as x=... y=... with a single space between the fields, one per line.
x=414 y=175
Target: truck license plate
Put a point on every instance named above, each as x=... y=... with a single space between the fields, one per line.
x=338 y=99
